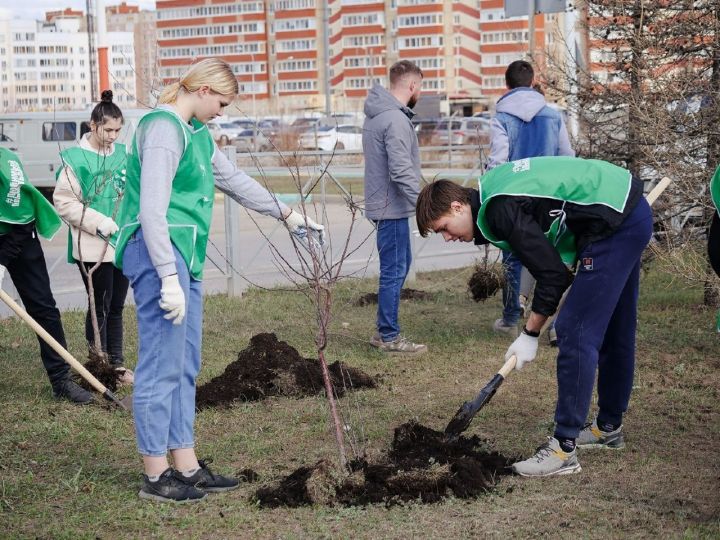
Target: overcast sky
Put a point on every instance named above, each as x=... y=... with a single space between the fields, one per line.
x=35 y=9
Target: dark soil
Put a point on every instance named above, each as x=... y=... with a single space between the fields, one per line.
x=484 y=283
x=405 y=294
x=269 y=367
x=421 y=466
x=102 y=370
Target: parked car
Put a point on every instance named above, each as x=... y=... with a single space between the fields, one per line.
x=231 y=129
x=345 y=137
x=243 y=124
x=303 y=124
x=217 y=134
x=251 y=140
x=425 y=129
x=463 y=131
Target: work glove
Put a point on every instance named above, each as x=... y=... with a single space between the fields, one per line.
x=298 y=225
x=2 y=274
x=524 y=348
x=107 y=227
x=172 y=299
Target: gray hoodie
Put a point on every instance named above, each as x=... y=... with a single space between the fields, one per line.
x=392 y=157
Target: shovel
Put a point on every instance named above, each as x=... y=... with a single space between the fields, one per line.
x=124 y=403
x=469 y=409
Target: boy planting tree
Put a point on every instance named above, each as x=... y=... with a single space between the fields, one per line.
x=553 y=211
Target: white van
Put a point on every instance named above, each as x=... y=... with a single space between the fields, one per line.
x=39 y=137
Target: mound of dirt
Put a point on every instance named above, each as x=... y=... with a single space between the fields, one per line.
x=484 y=283
x=269 y=367
x=405 y=294
x=421 y=465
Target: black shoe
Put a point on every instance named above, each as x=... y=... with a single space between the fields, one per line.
x=168 y=488
x=70 y=390
x=208 y=481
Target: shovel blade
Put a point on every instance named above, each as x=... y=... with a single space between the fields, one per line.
x=461 y=421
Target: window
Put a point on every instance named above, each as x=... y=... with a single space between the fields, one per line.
x=59 y=131
x=420 y=20
x=282 y=5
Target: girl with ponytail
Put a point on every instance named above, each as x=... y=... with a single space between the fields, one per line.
x=173 y=169
x=88 y=191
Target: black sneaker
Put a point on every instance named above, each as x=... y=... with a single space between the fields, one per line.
x=70 y=390
x=208 y=481
x=168 y=488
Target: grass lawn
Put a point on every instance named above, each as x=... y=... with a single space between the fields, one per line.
x=71 y=472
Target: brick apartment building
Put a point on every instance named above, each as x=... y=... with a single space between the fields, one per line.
x=277 y=47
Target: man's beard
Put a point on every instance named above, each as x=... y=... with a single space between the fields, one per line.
x=412 y=101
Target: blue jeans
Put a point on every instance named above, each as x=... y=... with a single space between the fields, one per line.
x=596 y=326
x=511 y=290
x=393 y=245
x=168 y=356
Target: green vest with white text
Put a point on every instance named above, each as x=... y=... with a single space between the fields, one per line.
x=566 y=179
x=191 y=200
x=101 y=178
x=20 y=202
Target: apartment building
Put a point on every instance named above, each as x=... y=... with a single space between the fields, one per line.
x=129 y=18
x=279 y=51
x=45 y=65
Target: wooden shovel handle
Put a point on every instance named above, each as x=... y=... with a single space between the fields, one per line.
x=47 y=338
x=508 y=366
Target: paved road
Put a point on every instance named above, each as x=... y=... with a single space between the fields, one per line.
x=257 y=263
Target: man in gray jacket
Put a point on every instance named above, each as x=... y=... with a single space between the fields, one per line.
x=392 y=184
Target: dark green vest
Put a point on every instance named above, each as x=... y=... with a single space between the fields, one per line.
x=191 y=201
x=567 y=179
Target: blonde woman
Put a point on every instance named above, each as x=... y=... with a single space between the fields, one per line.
x=172 y=170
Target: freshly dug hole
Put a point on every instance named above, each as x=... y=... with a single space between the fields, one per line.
x=405 y=294
x=485 y=282
x=269 y=367
x=421 y=465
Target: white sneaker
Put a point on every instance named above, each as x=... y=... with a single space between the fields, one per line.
x=549 y=460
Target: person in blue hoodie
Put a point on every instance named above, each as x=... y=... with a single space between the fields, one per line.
x=392 y=184
x=524 y=126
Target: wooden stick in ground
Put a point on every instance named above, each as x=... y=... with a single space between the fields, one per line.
x=47 y=338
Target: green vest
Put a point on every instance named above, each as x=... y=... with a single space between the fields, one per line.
x=567 y=179
x=101 y=179
x=191 y=200
x=21 y=202
x=715 y=189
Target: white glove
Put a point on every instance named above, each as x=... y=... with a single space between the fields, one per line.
x=172 y=298
x=107 y=227
x=524 y=348
x=298 y=225
x=2 y=274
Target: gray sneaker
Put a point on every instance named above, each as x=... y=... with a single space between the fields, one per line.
x=399 y=345
x=552 y=337
x=549 y=460
x=592 y=437
x=500 y=326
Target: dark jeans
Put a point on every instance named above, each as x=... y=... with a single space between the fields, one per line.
x=394 y=251
x=511 y=290
x=29 y=275
x=596 y=326
x=110 y=287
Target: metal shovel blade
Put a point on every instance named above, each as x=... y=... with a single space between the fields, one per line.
x=461 y=421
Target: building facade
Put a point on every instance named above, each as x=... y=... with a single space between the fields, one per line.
x=279 y=49
x=46 y=64
x=129 y=18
